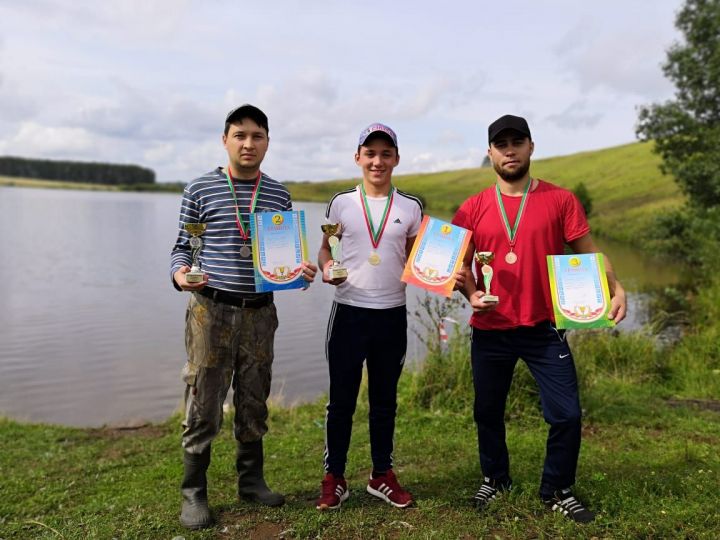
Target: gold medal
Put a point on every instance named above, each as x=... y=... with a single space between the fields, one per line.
x=511 y=258
x=375 y=235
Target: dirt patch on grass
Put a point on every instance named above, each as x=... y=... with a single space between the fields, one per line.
x=705 y=404
x=142 y=430
x=268 y=531
x=117 y=434
x=590 y=430
x=232 y=524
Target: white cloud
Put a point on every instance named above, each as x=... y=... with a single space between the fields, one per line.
x=450 y=137
x=129 y=19
x=429 y=162
x=576 y=116
x=626 y=60
x=14 y=106
x=33 y=139
x=160 y=154
x=150 y=81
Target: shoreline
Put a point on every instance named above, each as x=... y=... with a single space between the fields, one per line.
x=12 y=181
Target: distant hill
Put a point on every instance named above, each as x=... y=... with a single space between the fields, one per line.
x=624 y=182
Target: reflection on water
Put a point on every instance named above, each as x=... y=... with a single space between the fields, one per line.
x=636 y=271
x=92 y=331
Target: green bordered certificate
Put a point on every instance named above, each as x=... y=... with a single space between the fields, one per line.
x=580 y=294
x=279 y=248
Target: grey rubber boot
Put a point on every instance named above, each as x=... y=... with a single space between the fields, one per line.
x=251 y=484
x=195 y=513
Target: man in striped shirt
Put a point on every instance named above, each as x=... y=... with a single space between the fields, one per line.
x=229 y=327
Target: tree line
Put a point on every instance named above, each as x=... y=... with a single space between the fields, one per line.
x=76 y=171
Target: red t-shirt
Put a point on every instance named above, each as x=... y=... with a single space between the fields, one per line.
x=553 y=216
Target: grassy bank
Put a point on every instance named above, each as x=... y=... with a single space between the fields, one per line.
x=624 y=182
x=13 y=181
x=652 y=472
x=649 y=463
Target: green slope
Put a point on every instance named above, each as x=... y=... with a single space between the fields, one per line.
x=625 y=184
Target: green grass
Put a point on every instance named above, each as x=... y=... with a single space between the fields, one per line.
x=649 y=462
x=14 y=181
x=625 y=184
x=650 y=476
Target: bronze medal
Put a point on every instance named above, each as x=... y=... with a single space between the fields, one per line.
x=511 y=232
x=245 y=251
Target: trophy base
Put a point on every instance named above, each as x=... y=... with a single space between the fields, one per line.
x=337 y=272
x=490 y=299
x=194 y=276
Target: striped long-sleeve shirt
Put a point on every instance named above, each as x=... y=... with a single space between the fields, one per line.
x=208 y=200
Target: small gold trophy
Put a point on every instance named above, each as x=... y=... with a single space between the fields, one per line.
x=485 y=258
x=195 y=230
x=336 y=270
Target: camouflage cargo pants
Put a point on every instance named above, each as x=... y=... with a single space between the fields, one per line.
x=226 y=345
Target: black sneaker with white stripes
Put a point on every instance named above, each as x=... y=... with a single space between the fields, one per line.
x=564 y=501
x=489 y=491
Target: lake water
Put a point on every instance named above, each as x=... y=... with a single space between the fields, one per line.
x=91 y=329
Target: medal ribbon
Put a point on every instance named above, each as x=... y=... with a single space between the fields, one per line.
x=511 y=233
x=376 y=235
x=244 y=232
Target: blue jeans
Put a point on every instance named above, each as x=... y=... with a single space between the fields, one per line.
x=544 y=349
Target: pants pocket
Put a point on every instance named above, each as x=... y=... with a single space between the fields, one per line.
x=559 y=334
x=207 y=335
x=189 y=373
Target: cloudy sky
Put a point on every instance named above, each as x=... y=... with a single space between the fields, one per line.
x=149 y=82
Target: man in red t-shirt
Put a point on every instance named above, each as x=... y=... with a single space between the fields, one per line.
x=521 y=220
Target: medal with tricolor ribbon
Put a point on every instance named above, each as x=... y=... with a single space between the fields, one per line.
x=243 y=229
x=375 y=234
x=511 y=256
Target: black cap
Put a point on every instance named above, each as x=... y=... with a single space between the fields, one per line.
x=516 y=123
x=248 y=111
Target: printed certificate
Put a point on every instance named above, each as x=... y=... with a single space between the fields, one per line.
x=279 y=246
x=580 y=294
x=436 y=255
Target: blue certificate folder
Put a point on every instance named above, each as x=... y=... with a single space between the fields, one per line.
x=279 y=246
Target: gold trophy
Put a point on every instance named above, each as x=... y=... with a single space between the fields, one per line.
x=485 y=258
x=336 y=270
x=195 y=230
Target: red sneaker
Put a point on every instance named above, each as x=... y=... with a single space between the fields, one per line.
x=387 y=488
x=334 y=492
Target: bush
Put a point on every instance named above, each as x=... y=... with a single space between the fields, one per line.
x=690 y=236
x=444 y=381
x=583 y=195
